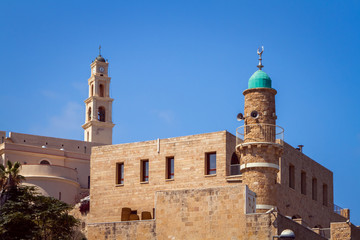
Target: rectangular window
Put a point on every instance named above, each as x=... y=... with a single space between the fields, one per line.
x=170 y=168
x=325 y=195
x=210 y=163
x=314 y=189
x=89 y=182
x=144 y=171
x=292 y=176
x=119 y=173
x=303 y=182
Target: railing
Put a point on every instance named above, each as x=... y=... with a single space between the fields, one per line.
x=261 y=132
x=235 y=169
x=338 y=209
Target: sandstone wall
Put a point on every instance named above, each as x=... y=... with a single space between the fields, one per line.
x=293 y=203
x=136 y=230
x=344 y=231
x=108 y=198
x=199 y=214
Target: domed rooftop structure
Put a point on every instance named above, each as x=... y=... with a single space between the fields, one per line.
x=259 y=80
x=100 y=58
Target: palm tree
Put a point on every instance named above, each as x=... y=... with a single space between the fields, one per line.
x=9 y=179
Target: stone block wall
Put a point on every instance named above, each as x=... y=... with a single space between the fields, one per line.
x=295 y=204
x=199 y=214
x=135 y=230
x=108 y=198
x=344 y=231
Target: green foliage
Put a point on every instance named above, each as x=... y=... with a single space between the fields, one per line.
x=28 y=215
x=9 y=175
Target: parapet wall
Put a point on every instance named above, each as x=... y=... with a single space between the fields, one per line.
x=139 y=230
x=51 y=142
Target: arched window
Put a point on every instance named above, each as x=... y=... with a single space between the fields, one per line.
x=44 y=162
x=101 y=114
x=92 y=90
x=234 y=165
x=89 y=114
x=101 y=90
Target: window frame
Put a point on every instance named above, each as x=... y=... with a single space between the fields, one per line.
x=292 y=176
x=170 y=171
x=120 y=171
x=314 y=189
x=303 y=182
x=143 y=167
x=209 y=171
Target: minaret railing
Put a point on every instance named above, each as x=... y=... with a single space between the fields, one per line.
x=259 y=133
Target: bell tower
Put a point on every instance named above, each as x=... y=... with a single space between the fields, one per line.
x=98 y=116
x=260 y=141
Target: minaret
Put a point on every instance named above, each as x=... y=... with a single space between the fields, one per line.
x=261 y=141
x=98 y=117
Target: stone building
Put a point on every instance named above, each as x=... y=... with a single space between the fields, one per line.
x=215 y=185
x=61 y=167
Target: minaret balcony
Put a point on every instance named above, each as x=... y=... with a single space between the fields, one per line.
x=259 y=134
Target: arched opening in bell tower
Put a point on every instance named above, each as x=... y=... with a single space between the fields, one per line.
x=89 y=114
x=92 y=91
x=101 y=87
x=101 y=114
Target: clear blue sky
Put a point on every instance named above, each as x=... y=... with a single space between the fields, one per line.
x=180 y=67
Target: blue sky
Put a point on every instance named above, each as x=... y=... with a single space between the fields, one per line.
x=180 y=67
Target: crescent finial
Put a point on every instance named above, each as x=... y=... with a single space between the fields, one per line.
x=260 y=52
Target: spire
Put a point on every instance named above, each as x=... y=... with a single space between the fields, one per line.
x=260 y=66
x=100 y=58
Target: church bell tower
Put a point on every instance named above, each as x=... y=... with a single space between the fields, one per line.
x=260 y=140
x=98 y=116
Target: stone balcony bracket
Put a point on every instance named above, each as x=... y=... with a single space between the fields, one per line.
x=249 y=147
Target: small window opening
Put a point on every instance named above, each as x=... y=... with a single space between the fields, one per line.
x=101 y=114
x=303 y=182
x=144 y=170
x=170 y=168
x=44 y=162
x=89 y=182
x=234 y=165
x=3 y=139
x=210 y=163
x=92 y=90
x=292 y=176
x=119 y=173
x=325 y=195
x=314 y=189
x=84 y=149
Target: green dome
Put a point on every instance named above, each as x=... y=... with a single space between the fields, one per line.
x=259 y=80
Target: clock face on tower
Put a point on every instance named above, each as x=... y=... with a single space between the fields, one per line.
x=101 y=69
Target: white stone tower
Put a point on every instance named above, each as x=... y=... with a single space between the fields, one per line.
x=98 y=117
